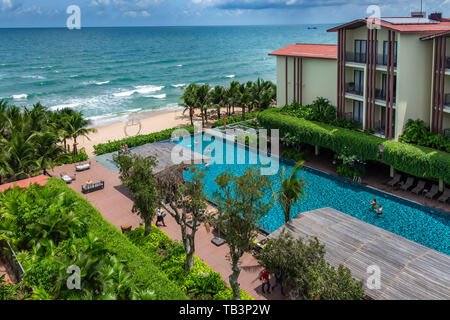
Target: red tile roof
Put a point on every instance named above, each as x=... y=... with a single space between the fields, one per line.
x=426 y=28
x=318 y=51
x=41 y=180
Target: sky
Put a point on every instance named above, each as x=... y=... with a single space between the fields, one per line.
x=97 y=13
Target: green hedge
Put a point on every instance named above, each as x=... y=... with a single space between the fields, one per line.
x=236 y=119
x=415 y=160
x=200 y=283
x=322 y=135
x=418 y=161
x=145 y=273
x=137 y=140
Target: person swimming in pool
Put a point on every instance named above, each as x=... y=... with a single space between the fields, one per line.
x=207 y=150
x=196 y=142
x=207 y=165
x=374 y=204
x=380 y=210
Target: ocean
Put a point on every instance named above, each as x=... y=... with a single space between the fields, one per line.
x=108 y=73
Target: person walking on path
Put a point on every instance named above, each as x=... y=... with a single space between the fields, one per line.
x=265 y=278
x=278 y=281
x=160 y=217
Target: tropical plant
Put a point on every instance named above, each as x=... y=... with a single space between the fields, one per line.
x=77 y=127
x=291 y=191
x=136 y=173
x=304 y=268
x=242 y=203
x=181 y=200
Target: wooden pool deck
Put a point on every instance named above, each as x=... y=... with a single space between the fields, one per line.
x=409 y=271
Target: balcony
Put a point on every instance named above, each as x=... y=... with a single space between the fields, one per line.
x=381 y=59
x=350 y=88
x=447 y=65
x=381 y=95
x=356 y=58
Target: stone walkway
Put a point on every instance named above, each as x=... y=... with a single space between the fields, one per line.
x=114 y=203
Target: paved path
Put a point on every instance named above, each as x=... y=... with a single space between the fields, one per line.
x=114 y=203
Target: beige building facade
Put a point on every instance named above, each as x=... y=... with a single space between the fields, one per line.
x=378 y=76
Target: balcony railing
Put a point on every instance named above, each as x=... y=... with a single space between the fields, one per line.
x=381 y=59
x=352 y=57
x=381 y=95
x=350 y=88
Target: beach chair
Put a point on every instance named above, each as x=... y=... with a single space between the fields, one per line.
x=433 y=192
x=408 y=184
x=88 y=188
x=419 y=188
x=395 y=180
x=83 y=167
x=445 y=196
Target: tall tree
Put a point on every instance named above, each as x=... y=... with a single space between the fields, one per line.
x=291 y=191
x=185 y=201
x=242 y=203
x=76 y=127
x=217 y=99
x=189 y=98
x=136 y=173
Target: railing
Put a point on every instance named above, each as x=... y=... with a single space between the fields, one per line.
x=10 y=255
x=381 y=95
x=352 y=57
x=381 y=59
x=447 y=99
x=350 y=88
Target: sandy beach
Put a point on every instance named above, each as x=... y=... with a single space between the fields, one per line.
x=136 y=124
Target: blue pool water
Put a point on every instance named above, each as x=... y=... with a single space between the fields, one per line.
x=418 y=223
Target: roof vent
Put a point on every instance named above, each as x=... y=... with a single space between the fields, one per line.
x=418 y=14
x=437 y=16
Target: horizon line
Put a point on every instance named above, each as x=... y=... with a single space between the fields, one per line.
x=175 y=26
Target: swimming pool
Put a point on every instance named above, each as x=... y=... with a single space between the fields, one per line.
x=413 y=221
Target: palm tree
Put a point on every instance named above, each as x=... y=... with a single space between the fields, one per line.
x=76 y=127
x=234 y=93
x=292 y=190
x=47 y=150
x=217 y=98
x=245 y=99
x=203 y=100
x=189 y=99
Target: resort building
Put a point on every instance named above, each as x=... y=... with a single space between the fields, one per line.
x=380 y=74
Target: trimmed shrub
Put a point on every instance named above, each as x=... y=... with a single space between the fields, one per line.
x=322 y=135
x=415 y=160
x=146 y=275
x=71 y=158
x=199 y=283
x=140 y=140
x=418 y=161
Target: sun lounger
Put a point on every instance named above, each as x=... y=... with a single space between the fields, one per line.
x=83 y=167
x=408 y=184
x=394 y=181
x=433 y=192
x=419 y=188
x=66 y=178
x=445 y=196
x=93 y=187
x=218 y=241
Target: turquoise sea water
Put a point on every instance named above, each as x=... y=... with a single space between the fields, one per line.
x=418 y=223
x=106 y=72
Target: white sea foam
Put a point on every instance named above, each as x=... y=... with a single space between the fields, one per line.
x=139 y=90
x=134 y=110
x=179 y=85
x=158 y=96
x=33 y=77
x=101 y=83
x=63 y=106
x=230 y=76
x=180 y=65
x=20 y=96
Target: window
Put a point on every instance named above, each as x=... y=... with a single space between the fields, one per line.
x=359 y=82
x=357 y=111
x=360 y=50
x=385 y=52
x=384 y=86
